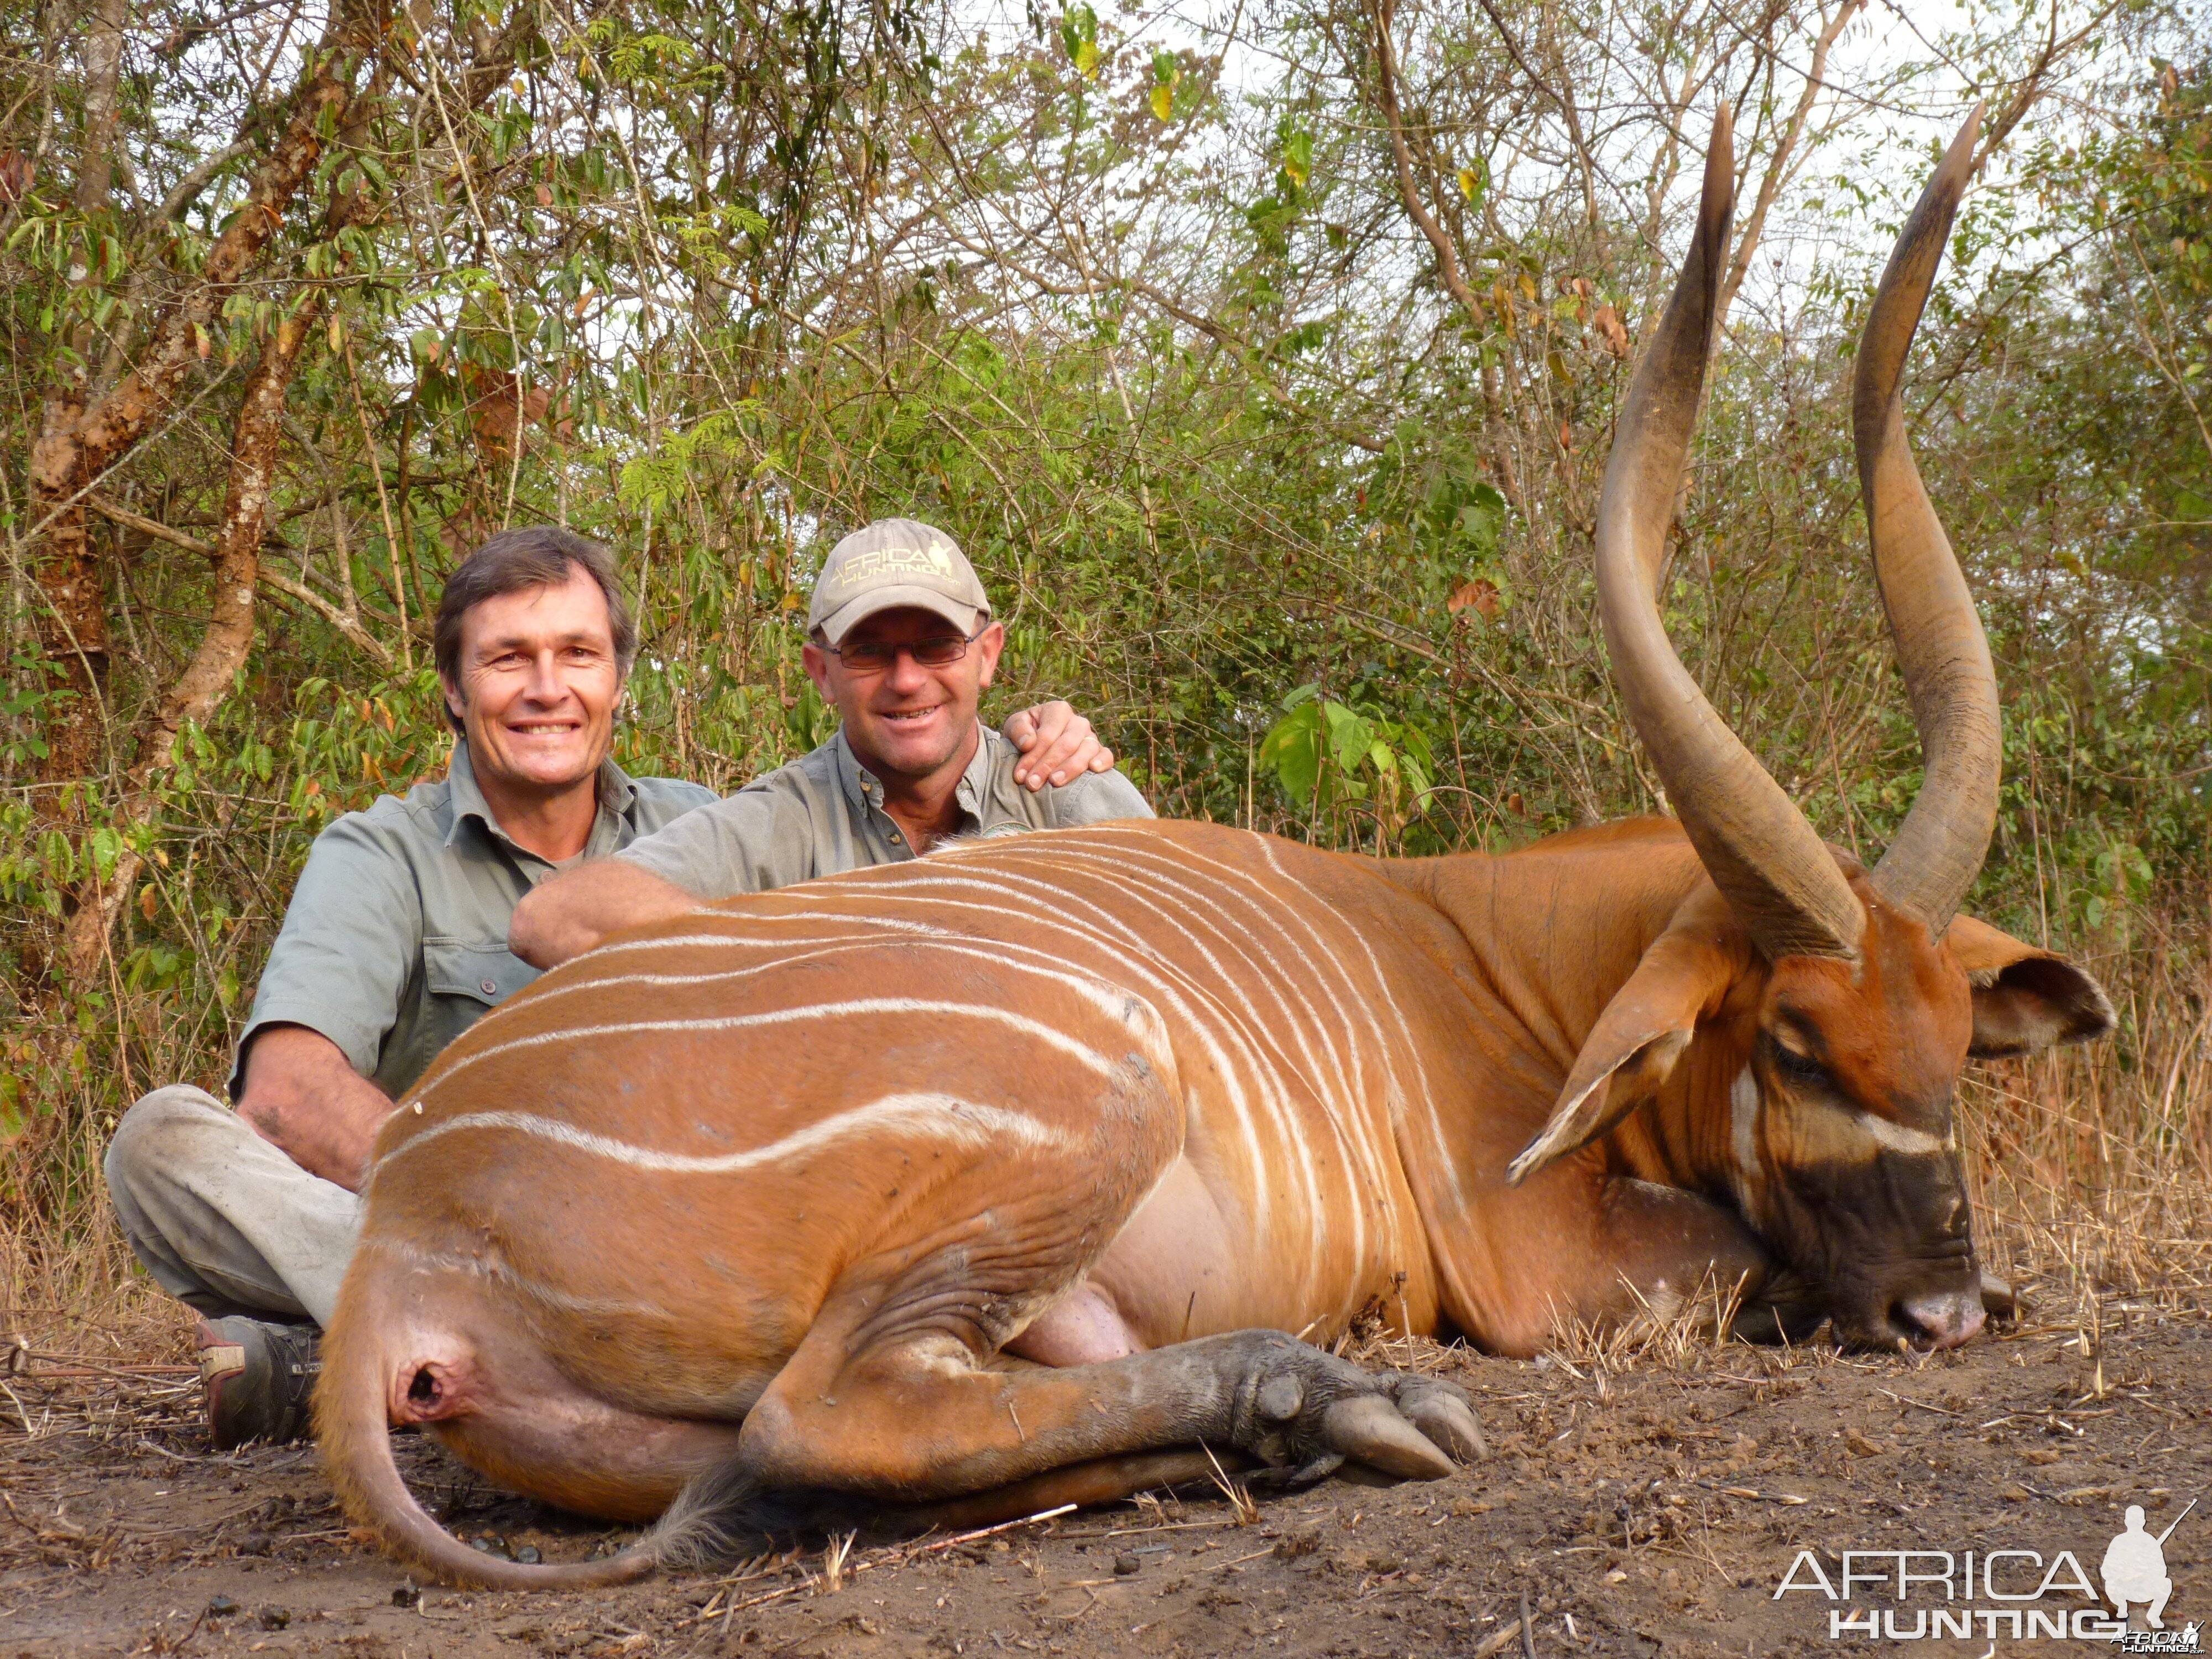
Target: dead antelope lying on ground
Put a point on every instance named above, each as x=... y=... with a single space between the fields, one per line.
x=890 y=1190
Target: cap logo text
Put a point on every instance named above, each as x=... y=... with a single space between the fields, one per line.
x=927 y=561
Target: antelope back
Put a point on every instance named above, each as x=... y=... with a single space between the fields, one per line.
x=769 y=1073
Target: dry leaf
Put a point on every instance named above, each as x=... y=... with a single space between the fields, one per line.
x=1480 y=594
x=1609 y=324
x=499 y=402
x=464 y=531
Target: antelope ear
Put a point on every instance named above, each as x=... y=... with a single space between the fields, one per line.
x=1632 y=1048
x=2025 y=999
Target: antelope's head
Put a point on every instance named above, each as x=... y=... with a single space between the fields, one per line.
x=1847 y=1001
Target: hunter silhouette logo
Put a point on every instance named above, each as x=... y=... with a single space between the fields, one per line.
x=2134 y=1571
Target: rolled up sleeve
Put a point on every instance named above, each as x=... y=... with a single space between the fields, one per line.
x=1097 y=798
x=749 y=843
x=350 y=943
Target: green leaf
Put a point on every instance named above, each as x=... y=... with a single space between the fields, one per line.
x=1417 y=779
x=107 y=847
x=1078 y=34
x=1481 y=516
x=54 y=851
x=1167 y=77
x=1350 y=736
x=1292 y=748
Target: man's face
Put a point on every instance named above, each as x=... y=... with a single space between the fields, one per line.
x=905 y=721
x=539 y=684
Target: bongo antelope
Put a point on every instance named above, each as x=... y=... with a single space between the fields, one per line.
x=1014 y=1175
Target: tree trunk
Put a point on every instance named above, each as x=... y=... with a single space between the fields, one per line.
x=81 y=440
x=229 y=637
x=75 y=623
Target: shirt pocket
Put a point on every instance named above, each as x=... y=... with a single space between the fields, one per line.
x=484 y=974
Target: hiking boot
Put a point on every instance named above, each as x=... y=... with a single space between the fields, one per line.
x=257 y=1378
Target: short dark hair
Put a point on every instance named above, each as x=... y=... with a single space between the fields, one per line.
x=535 y=556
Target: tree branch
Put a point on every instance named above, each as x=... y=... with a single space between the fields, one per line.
x=78 y=442
x=1778 y=168
x=350 y=627
x=1386 y=92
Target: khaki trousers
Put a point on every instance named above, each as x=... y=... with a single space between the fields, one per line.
x=222 y=1219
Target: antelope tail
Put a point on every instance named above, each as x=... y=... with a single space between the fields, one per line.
x=352 y=1426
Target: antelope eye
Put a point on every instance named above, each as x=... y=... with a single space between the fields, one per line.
x=1798 y=1068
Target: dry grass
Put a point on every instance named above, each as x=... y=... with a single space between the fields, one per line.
x=1243 y=1509
x=68 y=1283
x=2092 y=1168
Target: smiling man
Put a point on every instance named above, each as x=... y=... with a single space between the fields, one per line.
x=395 y=942
x=901 y=639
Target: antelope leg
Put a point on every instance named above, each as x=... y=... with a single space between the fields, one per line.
x=1671 y=1252
x=1099 y=1480
x=917 y=1421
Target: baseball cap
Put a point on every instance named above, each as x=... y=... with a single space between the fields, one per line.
x=894 y=563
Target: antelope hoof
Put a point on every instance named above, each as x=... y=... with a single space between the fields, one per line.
x=1304 y=1413
x=1369 y=1428
x=1443 y=1412
x=1998 y=1301
x=1280 y=1398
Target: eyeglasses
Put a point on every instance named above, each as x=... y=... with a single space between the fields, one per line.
x=876 y=656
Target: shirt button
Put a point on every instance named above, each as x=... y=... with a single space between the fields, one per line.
x=491 y=988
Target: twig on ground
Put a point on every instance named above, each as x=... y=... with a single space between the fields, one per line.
x=21 y=1416
x=1241 y=1508
x=90 y=1368
x=1906 y=1399
x=895 y=1558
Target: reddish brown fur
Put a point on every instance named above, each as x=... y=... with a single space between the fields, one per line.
x=589 y=1324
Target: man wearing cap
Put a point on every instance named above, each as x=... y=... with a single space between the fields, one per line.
x=902 y=640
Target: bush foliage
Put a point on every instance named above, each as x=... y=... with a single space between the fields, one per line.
x=1265 y=362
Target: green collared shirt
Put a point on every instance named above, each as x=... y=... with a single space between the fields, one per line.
x=824 y=813
x=396 y=939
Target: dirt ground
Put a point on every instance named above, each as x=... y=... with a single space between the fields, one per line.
x=1635 y=1505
